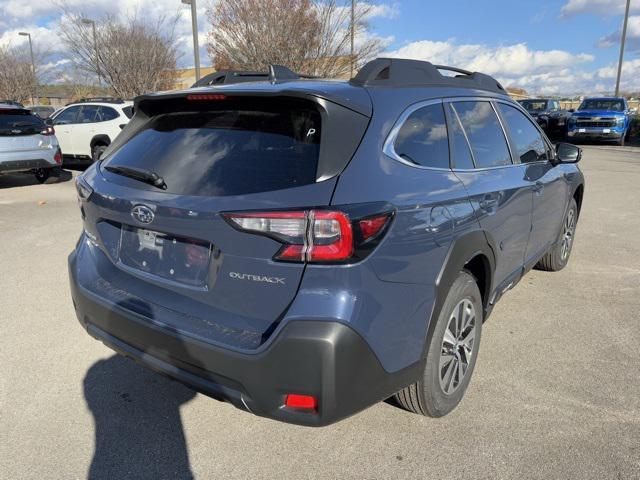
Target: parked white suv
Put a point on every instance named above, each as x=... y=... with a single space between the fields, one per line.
x=27 y=144
x=86 y=128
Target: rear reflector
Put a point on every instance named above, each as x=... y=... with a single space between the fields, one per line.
x=304 y=402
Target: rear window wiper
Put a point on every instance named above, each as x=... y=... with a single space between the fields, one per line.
x=140 y=174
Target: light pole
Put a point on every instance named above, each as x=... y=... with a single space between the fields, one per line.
x=88 y=21
x=353 y=24
x=33 y=67
x=194 y=28
x=622 y=40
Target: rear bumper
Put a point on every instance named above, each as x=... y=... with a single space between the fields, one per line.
x=322 y=358
x=24 y=165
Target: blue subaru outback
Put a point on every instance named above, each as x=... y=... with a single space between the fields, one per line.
x=305 y=248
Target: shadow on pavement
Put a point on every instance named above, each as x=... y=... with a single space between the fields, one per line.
x=138 y=429
x=12 y=180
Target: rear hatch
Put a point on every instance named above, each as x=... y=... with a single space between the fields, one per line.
x=168 y=252
x=21 y=131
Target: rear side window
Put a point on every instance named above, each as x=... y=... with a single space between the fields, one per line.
x=233 y=150
x=484 y=133
x=128 y=111
x=19 y=122
x=529 y=143
x=106 y=114
x=422 y=139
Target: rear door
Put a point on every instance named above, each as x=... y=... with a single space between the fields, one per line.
x=86 y=126
x=498 y=188
x=549 y=186
x=173 y=250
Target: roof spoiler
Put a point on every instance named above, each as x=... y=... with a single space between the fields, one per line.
x=400 y=72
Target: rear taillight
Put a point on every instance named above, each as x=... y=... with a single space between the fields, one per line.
x=58 y=157
x=206 y=96
x=311 y=235
x=48 y=131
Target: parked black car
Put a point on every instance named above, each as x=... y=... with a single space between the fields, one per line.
x=549 y=115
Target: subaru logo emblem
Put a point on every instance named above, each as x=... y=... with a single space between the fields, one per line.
x=142 y=214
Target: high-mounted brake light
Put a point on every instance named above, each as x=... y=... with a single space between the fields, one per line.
x=206 y=96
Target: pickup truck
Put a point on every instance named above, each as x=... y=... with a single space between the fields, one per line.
x=603 y=119
x=548 y=114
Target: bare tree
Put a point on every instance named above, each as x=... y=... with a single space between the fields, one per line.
x=17 y=79
x=135 y=56
x=308 y=36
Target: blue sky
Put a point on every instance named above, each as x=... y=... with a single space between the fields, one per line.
x=555 y=46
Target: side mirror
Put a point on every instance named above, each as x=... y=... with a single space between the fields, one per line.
x=571 y=110
x=568 y=153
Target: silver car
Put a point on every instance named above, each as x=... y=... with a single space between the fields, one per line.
x=27 y=144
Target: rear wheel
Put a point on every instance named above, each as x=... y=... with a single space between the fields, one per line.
x=451 y=354
x=42 y=174
x=557 y=258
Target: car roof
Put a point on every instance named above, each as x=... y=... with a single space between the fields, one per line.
x=604 y=98
x=11 y=106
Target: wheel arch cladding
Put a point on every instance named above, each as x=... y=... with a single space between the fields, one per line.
x=101 y=139
x=577 y=195
x=469 y=252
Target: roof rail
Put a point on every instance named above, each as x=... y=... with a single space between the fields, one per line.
x=400 y=72
x=101 y=99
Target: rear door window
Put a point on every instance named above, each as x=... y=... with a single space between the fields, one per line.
x=460 y=151
x=233 y=150
x=485 y=134
x=528 y=141
x=89 y=114
x=422 y=139
x=106 y=114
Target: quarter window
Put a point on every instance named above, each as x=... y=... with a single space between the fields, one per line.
x=422 y=139
x=528 y=141
x=106 y=114
x=484 y=133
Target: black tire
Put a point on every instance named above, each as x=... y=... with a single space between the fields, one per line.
x=556 y=258
x=42 y=174
x=431 y=395
x=96 y=152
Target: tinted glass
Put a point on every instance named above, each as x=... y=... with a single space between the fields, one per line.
x=422 y=139
x=68 y=115
x=229 y=151
x=460 y=152
x=106 y=114
x=88 y=114
x=529 y=143
x=485 y=134
x=604 y=104
x=19 y=122
x=128 y=111
x=534 y=105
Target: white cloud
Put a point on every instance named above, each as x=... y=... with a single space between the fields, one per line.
x=538 y=71
x=633 y=36
x=598 y=7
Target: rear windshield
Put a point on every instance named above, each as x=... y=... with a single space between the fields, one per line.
x=229 y=151
x=594 y=104
x=19 y=122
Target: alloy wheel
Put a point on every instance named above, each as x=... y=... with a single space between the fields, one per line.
x=457 y=346
x=567 y=235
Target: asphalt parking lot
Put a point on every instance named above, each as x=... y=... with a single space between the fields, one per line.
x=556 y=393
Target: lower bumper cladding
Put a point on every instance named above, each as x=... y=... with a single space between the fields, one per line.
x=312 y=373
